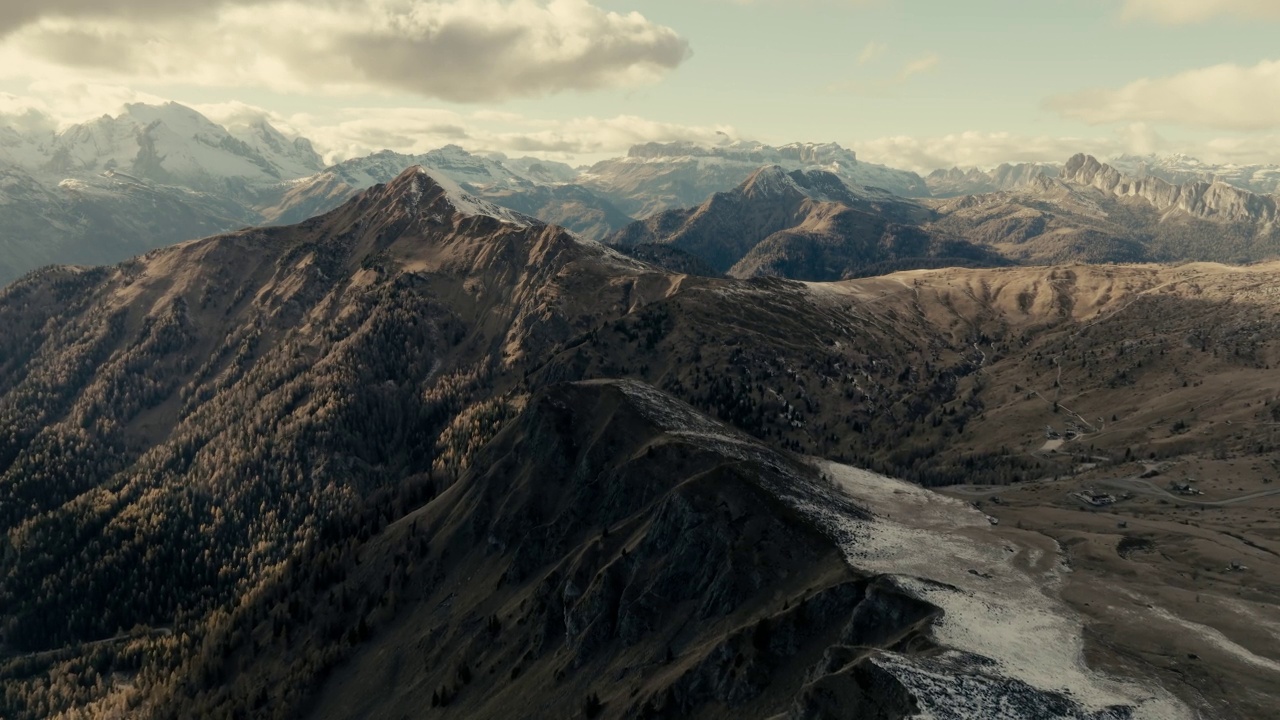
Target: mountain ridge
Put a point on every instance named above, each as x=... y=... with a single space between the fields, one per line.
x=1205 y=200
x=805 y=225
x=275 y=453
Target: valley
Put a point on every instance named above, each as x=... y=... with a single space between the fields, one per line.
x=322 y=451
x=663 y=360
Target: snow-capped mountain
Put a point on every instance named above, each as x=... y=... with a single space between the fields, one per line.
x=527 y=186
x=537 y=170
x=176 y=145
x=451 y=161
x=1181 y=169
x=661 y=176
x=100 y=191
x=154 y=175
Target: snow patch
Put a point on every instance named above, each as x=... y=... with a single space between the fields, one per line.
x=1012 y=649
x=1016 y=650
x=466 y=203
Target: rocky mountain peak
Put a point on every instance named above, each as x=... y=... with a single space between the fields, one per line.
x=770 y=181
x=419 y=192
x=774 y=181
x=1214 y=200
x=1083 y=168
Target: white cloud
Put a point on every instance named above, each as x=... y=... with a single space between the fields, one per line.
x=1229 y=97
x=358 y=131
x=872 y=51
x=16 y=13
x=989 y=149
x=460 y=50
x=1180 y=12
x=1246 y=150
x=979 y=149
x=918 y=66
x=62 y=103
x=877 y=84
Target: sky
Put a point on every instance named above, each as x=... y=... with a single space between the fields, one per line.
x=917 y=84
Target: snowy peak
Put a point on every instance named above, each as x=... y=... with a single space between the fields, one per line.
x=774 y=181
x=420 y=192
x=540 y=171
x=770 y=181
x=655 y=177
x=794 y=154
x=824 y=154
x=824 y=186
x=169 y=143
x=294 y=158
x=1180 y=169
x=450 y=161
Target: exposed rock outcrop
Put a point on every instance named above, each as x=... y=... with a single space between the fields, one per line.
x=1204 y=200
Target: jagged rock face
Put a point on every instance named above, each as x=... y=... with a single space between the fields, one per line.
x=1180 y=169
x=1210 y=201
x=1094 y=213
x=805 y=225
x=956 y=182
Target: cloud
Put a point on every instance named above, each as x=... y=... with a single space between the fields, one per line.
x=360 y=131
x=872 y=51
x=917 y=66
x=878 y=84
x=988 y=149
x=357 y=131
x=1181 y=12
x=16 y=13
x=460 y=50
x=58 y=104
x=1227 y=97
x=1247 y=150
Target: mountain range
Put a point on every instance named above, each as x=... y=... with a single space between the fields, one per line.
x=664 y=176
x=114 y=187
x=426 y=454
x=806 y=225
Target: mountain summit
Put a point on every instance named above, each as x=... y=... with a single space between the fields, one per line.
x=1199 y=199
x=417 y=191
x=664 y=176
x=805 y=225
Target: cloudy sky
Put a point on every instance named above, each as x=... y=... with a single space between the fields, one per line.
x=913 y=83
